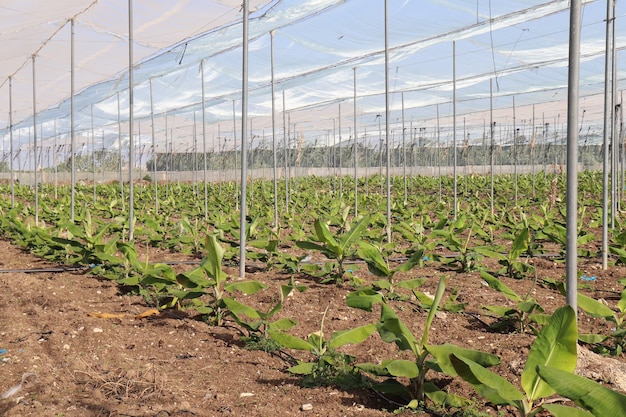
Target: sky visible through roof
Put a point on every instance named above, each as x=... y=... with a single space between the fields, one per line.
x=323 y=49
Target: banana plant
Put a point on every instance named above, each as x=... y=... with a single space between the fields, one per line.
x=328 y=367
x=425 y=357
x=385 y=288
x=258 y=323
x=555 y=347
x=210 y=278
x=337 y=248
x=526 y=311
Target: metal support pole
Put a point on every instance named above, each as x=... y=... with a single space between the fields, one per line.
x=131 y=126
x=387 y=127
x=275 y=161
x=356 y=158
x=244 y=145
x=454 y=124
x=35 y=143
x=72 y=125
x=11 y=140
x=571 y=249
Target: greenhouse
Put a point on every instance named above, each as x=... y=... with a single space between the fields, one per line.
x=363 y=191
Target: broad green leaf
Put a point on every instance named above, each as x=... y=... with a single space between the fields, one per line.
x=558 y=410
x=411 y=283
x=212 y=261
x=364 y=298
x=374 y=369
x=520 y=244
x=246 y=287
x=282 y=324
x=442 y=398
x=289 y=341
x=555 y=346
x=488 y=384
x=375 y=262
x=595 y=308
x=303 y=368
x=240 y=309
x=353 y=234
x=598 y=399
x=592 y=339
x=442 y=354
x=403 y=368
x=498 y=285
x=392 y=329
x=304 y=244
x=325 y=236
x=501 y=311
x=354 y=336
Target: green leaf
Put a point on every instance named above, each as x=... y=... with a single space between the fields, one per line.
x=212 y=261
x=402 y=368
x=354 y=336
x=442 y=354
x=393 y=387
x=354 y=234
x=555 y=346
x=442 y=398
x=520 y=244
x=325 y=236
x=411 y=283
x=246 y=287
x=393 y=330
x=599 y=400
x=374 y=369
x=303 y=368
x=558 y=410
x=592 y=339
x=488 y=384
x=240 y=309
x=289 y=341
x=364 y=298
x=282 y=324
x=374 y=258
x=595 y=308
x=498 y=285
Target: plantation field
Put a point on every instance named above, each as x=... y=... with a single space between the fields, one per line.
x=330 y=318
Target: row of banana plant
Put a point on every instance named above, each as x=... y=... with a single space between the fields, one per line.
x=425 y=234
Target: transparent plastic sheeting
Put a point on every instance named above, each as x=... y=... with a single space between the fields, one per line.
x=520 y=47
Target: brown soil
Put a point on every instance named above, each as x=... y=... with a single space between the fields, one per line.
x=174 y=364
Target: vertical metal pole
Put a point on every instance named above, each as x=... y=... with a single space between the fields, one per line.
x=131 y=125
x=439 y=154
x=356 y=158
x=387 y=116
x=404 y=151
x=72 y=125
x=608 y=104
x=154 y=153
x=244 y=144
x=11 y=140
x=274 y=160
x=119 y=142
x=286 y=155
x=93 y=155
x=454 y=123
x=514 y=153
x=35 y=143
x=340 y=155
x=204 y=161
x=571 y=249
x=492 y=126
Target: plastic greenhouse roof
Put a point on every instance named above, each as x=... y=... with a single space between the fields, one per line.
x=520 y=46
